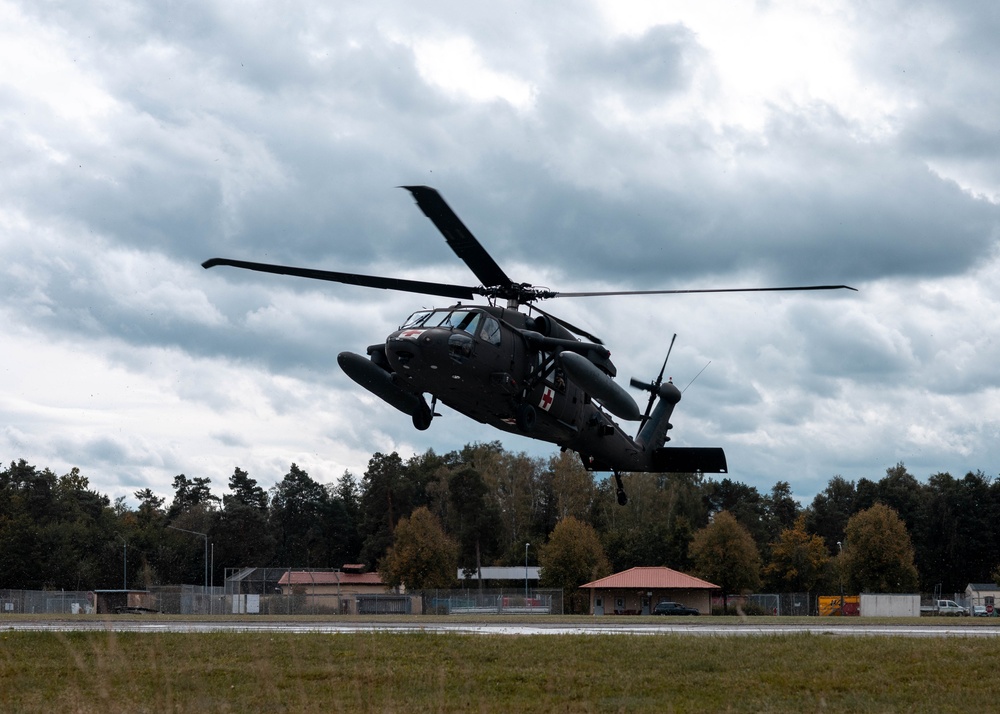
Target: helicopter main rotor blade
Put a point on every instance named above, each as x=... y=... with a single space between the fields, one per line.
x=370 y=281
x=706 y=290
x=459 y=237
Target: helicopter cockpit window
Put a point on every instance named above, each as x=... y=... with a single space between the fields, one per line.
x=465 y=320
x=417 y=319
x=462 y=320
x=490 y=331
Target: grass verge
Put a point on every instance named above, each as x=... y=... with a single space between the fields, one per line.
x=416 y=672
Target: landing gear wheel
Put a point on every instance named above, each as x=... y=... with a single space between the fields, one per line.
x=525 y=416
x=620 y=490
x=423 y=416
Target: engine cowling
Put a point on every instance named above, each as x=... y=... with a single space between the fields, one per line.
x=600 y=386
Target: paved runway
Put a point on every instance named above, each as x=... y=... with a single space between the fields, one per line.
x=527 y=627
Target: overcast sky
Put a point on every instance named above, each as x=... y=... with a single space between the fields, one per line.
x=588 y=145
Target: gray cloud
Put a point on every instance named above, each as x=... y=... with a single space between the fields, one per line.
x=143 y=139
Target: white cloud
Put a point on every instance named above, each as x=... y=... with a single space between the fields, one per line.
x=616 y=145
x=455 y=65
x=787 y=55
x=41 y=70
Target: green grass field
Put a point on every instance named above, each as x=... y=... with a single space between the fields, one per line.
x=374 y=672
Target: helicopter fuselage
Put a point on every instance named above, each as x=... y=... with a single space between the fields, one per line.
x=478 y=362
x=505 y=369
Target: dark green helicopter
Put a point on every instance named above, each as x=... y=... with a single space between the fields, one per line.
x=529 y=374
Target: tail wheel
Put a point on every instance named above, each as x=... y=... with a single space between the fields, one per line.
x=525 y=416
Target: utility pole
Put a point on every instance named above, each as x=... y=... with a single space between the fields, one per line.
x=526 y=573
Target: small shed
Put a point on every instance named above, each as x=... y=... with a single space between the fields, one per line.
x=637 y=590
x=124 y=601
x=985 y=594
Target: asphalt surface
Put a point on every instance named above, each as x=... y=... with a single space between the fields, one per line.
x=704 y=627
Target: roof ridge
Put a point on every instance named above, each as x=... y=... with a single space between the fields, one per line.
x=651 y=577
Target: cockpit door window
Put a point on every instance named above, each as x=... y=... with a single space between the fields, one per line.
x=490 y=331
x=462 y=320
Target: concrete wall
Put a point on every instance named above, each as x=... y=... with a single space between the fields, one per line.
x=883 y=605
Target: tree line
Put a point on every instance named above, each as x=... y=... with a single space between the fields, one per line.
x=485 y=504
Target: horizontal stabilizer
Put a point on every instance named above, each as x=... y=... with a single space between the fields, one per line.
x=686 y=460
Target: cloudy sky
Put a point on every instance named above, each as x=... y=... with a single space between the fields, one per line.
x=589 y=145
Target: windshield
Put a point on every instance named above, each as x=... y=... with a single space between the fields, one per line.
x=465 y=320
x=417 y=319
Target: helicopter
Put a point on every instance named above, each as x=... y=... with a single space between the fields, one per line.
x=528 y=373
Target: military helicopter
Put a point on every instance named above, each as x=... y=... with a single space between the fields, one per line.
x=528 y=373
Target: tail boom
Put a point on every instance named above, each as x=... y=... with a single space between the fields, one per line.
x=618 y=452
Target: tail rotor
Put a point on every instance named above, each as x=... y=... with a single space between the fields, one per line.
x=653 y=387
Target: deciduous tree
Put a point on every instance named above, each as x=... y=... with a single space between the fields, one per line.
x=657 y=525
x=725 y=553
x=567 y=490
x=878 y=554
x=422 y=556
x=515 y=491
x=573 y=556
x=798 y=559
x=474 y=520
x=743 y=502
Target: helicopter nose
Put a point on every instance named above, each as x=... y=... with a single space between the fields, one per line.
x=410 y=348
x=431 y=352
x=402 y=353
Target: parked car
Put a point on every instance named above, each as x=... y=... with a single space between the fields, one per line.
x=980 y=611
x=673 y=608
x=944 y=607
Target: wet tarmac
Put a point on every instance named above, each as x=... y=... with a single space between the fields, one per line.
x=526 y=628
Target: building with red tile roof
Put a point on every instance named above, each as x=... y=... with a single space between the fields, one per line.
x=348 y=591
x=331 y=582
x=637 y=590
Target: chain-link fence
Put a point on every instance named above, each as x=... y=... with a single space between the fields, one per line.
x=185 y=600
x=258 y=593
x=197 y=600
x=194 y=600
x=53 y=602
x=261 y=580
x=492 y=602
x=797 y=604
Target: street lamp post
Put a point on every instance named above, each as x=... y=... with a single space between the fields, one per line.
x=526 y=573
x=205 y=536
x=124 y=564
x=840 y=571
